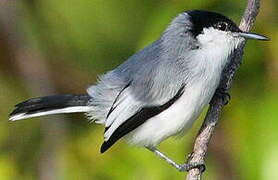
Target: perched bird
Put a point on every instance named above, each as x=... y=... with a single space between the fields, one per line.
x=159 y=91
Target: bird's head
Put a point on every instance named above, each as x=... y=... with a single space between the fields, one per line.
x=211 y=28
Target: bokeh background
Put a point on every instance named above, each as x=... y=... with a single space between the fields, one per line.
x=53 y=47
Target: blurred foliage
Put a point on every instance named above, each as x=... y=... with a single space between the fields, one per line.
x=50 y=47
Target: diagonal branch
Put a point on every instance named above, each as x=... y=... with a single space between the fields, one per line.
x=213 y=114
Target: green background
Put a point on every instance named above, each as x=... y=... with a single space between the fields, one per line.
x=54 y=47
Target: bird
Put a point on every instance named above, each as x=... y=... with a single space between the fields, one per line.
x=159 y=91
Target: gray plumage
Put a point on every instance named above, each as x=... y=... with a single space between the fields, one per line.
x=161 y=68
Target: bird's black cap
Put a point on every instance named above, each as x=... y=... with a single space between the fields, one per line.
x=204 y=19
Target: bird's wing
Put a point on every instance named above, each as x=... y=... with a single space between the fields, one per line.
x=155 y=78
x=149 y=86
x=127 y=122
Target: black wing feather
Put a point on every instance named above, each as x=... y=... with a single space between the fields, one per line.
x=138 y=119
x=116 y=99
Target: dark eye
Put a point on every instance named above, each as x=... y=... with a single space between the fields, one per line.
x=222 y=26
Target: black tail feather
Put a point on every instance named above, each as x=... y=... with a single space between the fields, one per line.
x=48 y=103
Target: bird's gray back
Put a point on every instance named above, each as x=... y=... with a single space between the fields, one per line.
x=158 y=71
x=153 y=75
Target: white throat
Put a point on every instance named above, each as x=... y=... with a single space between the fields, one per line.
x=218 y=42
x=216 y=46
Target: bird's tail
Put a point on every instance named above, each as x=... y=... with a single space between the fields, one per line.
x=56 y=104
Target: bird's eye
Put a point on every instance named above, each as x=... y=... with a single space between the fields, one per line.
x=222 y=26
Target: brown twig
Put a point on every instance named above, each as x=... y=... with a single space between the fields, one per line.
x=213 y=114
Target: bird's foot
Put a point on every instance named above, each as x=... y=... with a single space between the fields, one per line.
x=180 y=167
x=189 y=166
x=223 y=95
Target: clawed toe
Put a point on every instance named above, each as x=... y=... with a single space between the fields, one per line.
x=189 y=166
x=223 y=94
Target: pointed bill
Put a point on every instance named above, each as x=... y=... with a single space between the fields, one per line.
x=249 y=35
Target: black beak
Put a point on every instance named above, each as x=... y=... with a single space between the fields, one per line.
x=249 y=35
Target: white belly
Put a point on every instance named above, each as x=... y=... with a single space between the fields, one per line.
x=178 y=117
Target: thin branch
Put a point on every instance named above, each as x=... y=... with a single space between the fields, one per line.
x=215 y=109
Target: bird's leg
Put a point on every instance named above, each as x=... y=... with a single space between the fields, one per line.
x=180 y=167
x=223 y=94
